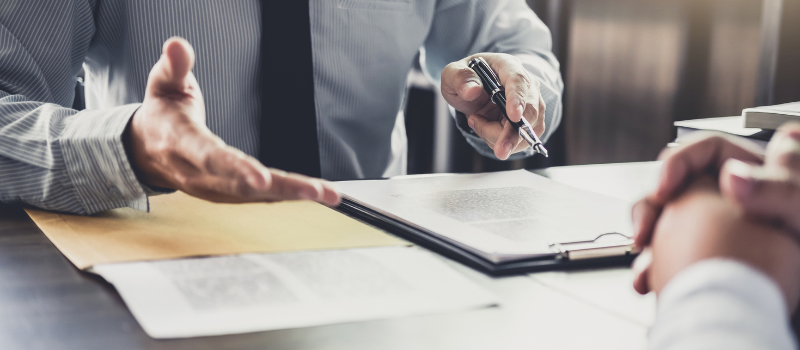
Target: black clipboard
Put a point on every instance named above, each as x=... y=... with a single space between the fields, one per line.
x=619 y=255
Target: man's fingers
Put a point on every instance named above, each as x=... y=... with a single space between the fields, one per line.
x=170 y=73
x=644 y=214
x=486 y=129
x=522 y=93
x=296 y=186
x=331 y=196
x=538 y=120
x=783 y=150
x=641 y=270
x=461 y=86
x=223 y=173
x=507 y=141
x=769 y=193
x=288 y=186
x=704 y=154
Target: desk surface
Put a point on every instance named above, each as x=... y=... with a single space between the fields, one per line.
x=46 y=303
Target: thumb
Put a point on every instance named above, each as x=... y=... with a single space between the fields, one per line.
x=170 y=73
x=460 y=84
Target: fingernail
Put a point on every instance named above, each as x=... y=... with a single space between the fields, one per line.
x=643 y=261
x=253 y=181
x=468 y=85
x=471 y=123
x=742 y=181
x=521 y=110
x=509 y=147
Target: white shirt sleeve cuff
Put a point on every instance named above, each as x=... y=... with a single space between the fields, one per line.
x=721 y=304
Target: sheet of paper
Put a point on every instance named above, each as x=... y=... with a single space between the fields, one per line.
x=179 y=225
x=259 y=292
x=502 y=215
x=609 y=289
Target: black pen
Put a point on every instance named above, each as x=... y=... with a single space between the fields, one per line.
x=493 y=87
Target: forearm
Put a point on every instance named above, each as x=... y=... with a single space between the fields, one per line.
x=61 y=159
x=496 y=26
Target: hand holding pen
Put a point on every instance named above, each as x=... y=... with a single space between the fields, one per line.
x=463 y=89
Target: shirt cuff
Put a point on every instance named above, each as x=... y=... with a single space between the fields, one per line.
x=721 y=304
x=96 y=161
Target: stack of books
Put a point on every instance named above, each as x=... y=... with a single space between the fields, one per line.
x=756 y=124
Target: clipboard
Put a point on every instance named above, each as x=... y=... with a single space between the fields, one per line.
x=566 y=255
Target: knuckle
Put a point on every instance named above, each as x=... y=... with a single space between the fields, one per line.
x=789 y=159
x=181 y=180
x=521 y=79
x=242 y=189
x=478 y=129
x=464 y=73
x=207 y=160
x=164 y=146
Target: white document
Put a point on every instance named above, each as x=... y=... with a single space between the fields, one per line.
x=259 y=292
x=501 y=216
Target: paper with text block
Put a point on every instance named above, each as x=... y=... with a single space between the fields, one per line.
x=259 y=292
x=501 y=216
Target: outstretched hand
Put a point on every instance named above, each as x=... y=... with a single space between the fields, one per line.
x=169 y=145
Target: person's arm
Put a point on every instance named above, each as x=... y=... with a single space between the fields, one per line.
x=52 y=156
x=721 y=304
x=723 y=279
x=57 y=158
x=517 y=45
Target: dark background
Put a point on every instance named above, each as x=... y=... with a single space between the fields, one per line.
x=633 y=67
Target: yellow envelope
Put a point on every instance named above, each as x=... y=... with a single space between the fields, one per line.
x=179 y=225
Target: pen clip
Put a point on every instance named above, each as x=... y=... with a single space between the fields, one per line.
x=491 y=83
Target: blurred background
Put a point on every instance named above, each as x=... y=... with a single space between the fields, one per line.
x=631 y=68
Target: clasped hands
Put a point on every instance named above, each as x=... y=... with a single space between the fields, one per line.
x=719 y=197
x=169 y=145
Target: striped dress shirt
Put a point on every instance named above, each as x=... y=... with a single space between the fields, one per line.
x=54 y=157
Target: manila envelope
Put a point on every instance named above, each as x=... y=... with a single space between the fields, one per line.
x=179 y=225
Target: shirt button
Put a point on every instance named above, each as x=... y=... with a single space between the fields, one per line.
x=114 y=192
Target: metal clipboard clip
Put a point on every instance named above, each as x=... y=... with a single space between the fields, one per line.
x=595 y=248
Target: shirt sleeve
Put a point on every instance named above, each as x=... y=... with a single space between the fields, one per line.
x=52 y=156
x=721 y=304
x=464 y=27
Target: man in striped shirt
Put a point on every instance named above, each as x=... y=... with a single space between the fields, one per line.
x=190 y=114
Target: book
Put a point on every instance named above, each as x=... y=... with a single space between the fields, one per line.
x=729 y=125
x=771 y=117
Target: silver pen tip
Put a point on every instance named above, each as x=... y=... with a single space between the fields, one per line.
x=539 y=148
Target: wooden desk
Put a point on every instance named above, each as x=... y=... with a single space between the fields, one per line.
x=46 y=303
